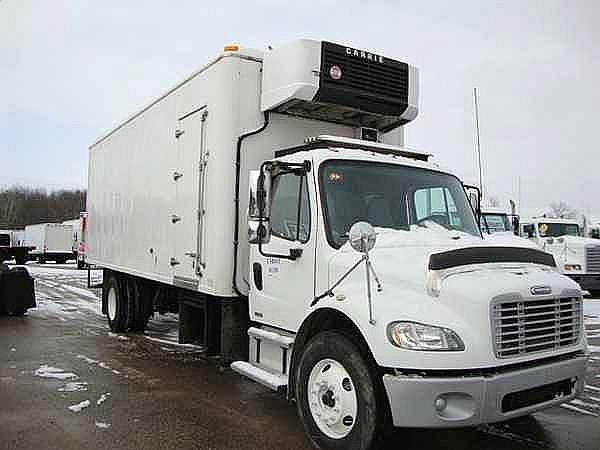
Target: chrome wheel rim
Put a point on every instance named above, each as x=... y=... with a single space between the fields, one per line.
x=332 y=399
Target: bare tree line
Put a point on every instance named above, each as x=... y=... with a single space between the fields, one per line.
x=24 y=205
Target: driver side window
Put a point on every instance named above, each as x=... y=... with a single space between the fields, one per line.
x=290 y=211
x=437 y=204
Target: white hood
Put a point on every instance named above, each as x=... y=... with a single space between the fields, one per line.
x=401 y=259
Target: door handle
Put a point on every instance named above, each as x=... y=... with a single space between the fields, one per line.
x=177 y=175
x=190 y=254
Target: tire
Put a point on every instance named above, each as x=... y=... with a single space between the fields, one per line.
x=116 y=305
x=332 y=371
x=137 y=312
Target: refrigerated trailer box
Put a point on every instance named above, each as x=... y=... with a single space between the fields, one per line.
x=52 y=242
x=269 y=200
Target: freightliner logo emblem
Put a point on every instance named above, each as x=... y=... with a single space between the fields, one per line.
x=540 y=290
x=364 y=55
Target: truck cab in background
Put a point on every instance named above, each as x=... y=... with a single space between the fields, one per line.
x=577 y=257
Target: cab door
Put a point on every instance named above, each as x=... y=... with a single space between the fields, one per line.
x=188 y=213
x=282 y=286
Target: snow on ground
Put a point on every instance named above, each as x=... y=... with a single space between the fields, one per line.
x=74 y=386
x=102 y=425
x=80 y=406
x=588 y=402
x=103 y=398
x=45 y=371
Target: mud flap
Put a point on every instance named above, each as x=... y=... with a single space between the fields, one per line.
x=17 y=292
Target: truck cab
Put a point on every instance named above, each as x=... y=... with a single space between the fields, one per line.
x=496 y=220
x=442 y=314
x=576 y=256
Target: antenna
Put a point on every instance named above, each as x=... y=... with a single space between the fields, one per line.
x=477 y=142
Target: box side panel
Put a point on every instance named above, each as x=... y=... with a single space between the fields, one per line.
x=130 y=194
x=59 y=238
x=34 y=237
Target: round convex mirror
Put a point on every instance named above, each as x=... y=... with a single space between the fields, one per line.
x=362 y=237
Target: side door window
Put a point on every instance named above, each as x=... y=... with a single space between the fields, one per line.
x=290 y=210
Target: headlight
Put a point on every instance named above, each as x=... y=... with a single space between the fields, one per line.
x=569 y=267
x=418 y=336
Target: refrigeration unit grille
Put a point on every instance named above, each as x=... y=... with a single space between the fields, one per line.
x=522 y=327
x=388 y=79
x=592 y=258
x=4 y=240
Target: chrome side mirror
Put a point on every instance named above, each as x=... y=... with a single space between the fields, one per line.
x=362 y=237
x=258 y=207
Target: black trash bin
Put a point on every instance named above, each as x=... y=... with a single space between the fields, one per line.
x=17 y=293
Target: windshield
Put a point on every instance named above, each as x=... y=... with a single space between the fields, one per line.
x=495 y=222
x=558 y=229
x=391 y=196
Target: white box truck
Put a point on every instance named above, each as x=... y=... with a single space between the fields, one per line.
x=52 y=242
x=577 y=257
x=347 y=271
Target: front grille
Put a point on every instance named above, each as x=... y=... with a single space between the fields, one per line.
x=537 y=395
x=522 y=326
x=592 y=258
x=388 y=79
x=4 y=240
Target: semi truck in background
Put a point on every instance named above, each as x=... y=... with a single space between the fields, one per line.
x=576 y=256
x=51 y=242
x=79 y=231
x=12 y=246
x=269 y=200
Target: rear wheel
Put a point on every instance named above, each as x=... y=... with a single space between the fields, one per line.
x=116 y=305
x=137 y=311
x=336 y=395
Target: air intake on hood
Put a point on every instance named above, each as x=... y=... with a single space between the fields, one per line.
x=482 y=255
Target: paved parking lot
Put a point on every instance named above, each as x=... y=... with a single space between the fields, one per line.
x=67 y=382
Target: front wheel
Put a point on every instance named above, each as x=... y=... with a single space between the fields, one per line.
x=337 y=396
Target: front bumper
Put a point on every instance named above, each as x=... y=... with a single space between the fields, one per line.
x=588 y=282
x=468 y=401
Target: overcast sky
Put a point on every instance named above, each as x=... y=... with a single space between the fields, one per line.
x=70 y=70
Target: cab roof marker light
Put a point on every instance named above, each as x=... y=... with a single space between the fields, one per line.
x=231 y=48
